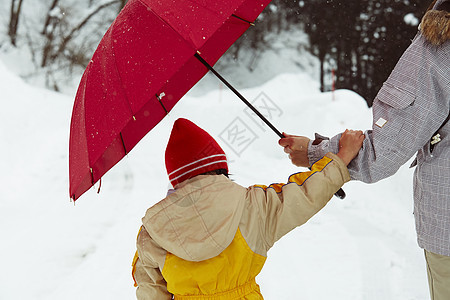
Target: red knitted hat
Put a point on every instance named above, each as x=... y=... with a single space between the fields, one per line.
x=192 y=151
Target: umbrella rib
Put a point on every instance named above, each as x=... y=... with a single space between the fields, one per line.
x=242 y=19
x=160 y=102
x=92 y=176
x=120 y=77
x=123 y=143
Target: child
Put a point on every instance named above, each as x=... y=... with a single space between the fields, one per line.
x=209 y=238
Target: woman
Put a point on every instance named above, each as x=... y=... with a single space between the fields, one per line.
x=410 y=116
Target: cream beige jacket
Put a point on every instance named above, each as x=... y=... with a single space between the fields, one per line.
x=200 y=219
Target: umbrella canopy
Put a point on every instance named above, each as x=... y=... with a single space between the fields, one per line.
x=147 y=60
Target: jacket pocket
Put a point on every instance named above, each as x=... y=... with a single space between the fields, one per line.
x=395 y=97
x=397 y=107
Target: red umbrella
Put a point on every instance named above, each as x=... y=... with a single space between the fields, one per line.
x=151 y=55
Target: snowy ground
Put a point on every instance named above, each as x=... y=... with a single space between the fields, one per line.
x=363 y=247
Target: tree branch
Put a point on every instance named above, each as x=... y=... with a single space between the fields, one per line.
x=69 y=37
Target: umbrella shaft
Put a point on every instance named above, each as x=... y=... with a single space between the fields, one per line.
x=340 y=193
x=239 y=95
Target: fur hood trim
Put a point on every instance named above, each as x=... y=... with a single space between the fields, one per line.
x=435 y=26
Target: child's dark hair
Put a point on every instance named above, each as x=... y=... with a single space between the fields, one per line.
x=217 y=172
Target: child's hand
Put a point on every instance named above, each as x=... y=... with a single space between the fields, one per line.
x=349 y=144
x=297 y=148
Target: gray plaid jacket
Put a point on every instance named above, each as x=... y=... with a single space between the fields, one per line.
x=410 y=107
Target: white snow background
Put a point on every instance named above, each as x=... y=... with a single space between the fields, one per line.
x=363 y=247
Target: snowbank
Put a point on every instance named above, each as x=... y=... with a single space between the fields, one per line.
x=360 y=248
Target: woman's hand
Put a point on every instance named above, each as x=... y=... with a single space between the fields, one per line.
x=297 y=148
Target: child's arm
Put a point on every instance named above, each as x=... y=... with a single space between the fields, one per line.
x=282 y=207
x=149 y=280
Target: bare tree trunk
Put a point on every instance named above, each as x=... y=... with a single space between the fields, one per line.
x=68 y=37
x=49 y=33
x=122 y=4
x=14 y=21
x=339 y=65
x=49 y=53
x=49 y=16
x=321 y=57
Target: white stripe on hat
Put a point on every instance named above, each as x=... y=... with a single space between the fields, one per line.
x=190 y=164
x=204 y=165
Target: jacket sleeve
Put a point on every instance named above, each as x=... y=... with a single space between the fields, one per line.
x=149 y=280
x=409 y=108
x=282 y=207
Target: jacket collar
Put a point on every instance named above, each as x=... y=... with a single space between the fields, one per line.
x=435 y=25
x=199 y=219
